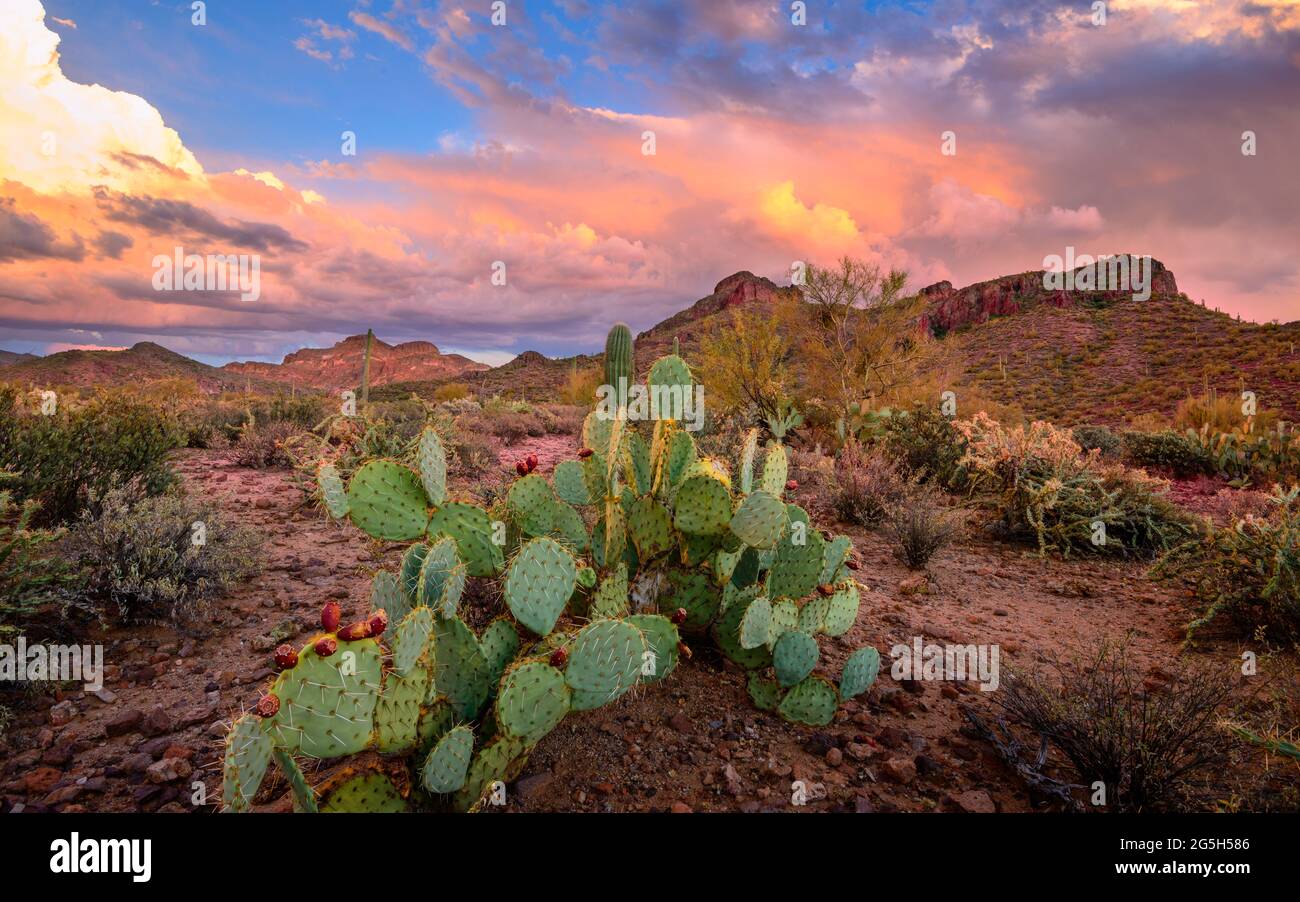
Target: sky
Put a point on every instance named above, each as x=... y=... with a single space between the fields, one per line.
x=413 y=167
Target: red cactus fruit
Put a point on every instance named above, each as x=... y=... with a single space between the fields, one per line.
x=330 y=615
x=678 y=616
x=354 y=631
x=377 y=623
x=585 y=453
x=326 y=646
x=521 y=468
x=852 y=565
x=825 y=590
x=285 y=656
x=267 y=705
x=791 y=485
x=559 y=656
x=531 y=460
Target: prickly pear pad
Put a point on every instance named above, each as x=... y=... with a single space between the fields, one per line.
x=332 y=491
x=499 y=644
x=811 y=702
x=540 y=580
x=842 y=609
x=747 y=461
x=442 y=577
x=610 y=599
x=775 y=470
x=408 y=577
x=327 y=705
x=532 y=505
x=248 y=752
x=695 y=592
x=365 y=794
x=661 y=638
x=304 y=800
x=794 y=656
x=833 y=558
x=471 y=527
x=796 y=566
x=493 y=762
x=703 y=505
x=532 y=701
x=386 y=500
x=756 y=624
x=812 y=616
x=397 y=713
x=726 y=632
x=445 y=768
x=570 y=483
x=410 y=638
x=460 y=671
x=765 y=693
x=386 y=595
x=605 y=660
x=859 y=672
x=432 y=461
x=650 y=527
x=760 y=520
x=785 y=616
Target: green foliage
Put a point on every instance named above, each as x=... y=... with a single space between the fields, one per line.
x=82 y=449
x=619 y=362
x=1175 y=452
x=1248 y=573
x=140 y=560
x=29 y=575
x=1099 y=438
x=926 y=445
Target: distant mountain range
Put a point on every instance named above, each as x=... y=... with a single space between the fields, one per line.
x=1066 y=355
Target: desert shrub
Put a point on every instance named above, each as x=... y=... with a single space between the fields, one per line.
x=1147 y=744
x=1220 y=414
x=564 y=419
x=1175 y=452
x=867 y=485
x=211 y=424
x=926 y=445
x=264 y=445
x=304 y=411
x=458 y=406
x=82 y=449
x=509 y=425
x=140 y=563
x=473 y=453
x=1247 y=573
x=29 y=575
x=452 y=391
x=1098 y=438
x=580 y=386
x=1043 y=485
x=920 y=526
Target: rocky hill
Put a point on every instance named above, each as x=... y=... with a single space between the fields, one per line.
x=339 y=367
x=140 y=363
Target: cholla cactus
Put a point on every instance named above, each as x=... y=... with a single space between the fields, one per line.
x=432 y=714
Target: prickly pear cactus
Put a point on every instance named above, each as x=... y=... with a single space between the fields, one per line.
x=603 y=568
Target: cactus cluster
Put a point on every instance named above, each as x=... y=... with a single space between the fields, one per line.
x=418 y=710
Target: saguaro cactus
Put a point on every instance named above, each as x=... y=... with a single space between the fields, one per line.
x=619 y=356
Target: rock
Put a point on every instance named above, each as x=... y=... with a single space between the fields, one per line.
x=62 y=713
x=858 y=751
x=107 y=696
x=178 y=751
x=532 y=786
x=862 y=805
x=62 y=795
x=123 y=723
x=167 y=770
x=894 y=738
x=41 y=780
x=156 y=722
x=680 y=808
x=834 y=757
x=680 y=723
x=900 y=770
x=975 y=801
x=60 y=756
x=735 y=786
x=916 y=584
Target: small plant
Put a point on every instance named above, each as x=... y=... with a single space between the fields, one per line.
x=29 y=576
x=1172 y=451
x=1146 y=744
x=1247 y=573
x=263 y=445
x=151 y=559
x=926 y=444
x=867 y=485
x=1099 y=438
x=920 y=525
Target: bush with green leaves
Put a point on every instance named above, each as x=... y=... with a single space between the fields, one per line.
x=867 y=484
x=1248 y=573
x=1174 y=452
x=83 y=448
x=1042 y=486
x=30 y=576
x=153 y=559
x=1102 y=439
x=926 y=444
x=605 y=569
x=263 y=445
